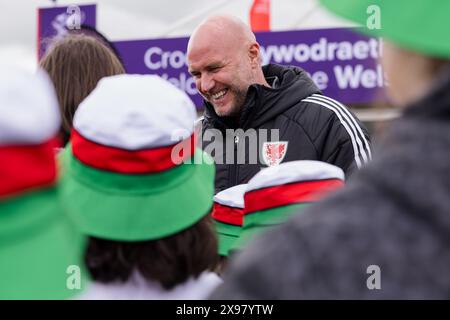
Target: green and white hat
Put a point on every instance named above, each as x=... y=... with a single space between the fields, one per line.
x=128 y=172
x=228 y=214
x=37 y=242
x=277 y=192
x=419 y=25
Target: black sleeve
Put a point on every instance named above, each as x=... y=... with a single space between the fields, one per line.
x=344 y=142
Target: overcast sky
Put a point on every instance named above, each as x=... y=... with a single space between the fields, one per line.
x=145 y=19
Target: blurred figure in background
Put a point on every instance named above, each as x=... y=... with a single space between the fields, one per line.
x=146 y=212
x=38 y=245
x=75 y=63
x=386 y=235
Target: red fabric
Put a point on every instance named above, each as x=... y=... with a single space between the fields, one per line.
x=229 y=215
x=25 y=167
x=260 y=15
x=129 y=162
x=272 y=197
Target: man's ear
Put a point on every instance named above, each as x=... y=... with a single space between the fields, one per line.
x=253 y=53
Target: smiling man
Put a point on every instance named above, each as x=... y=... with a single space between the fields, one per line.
x=215 y=54
x=241 y=96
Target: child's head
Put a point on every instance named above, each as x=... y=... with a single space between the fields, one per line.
x=75 y=63
x=136 y=184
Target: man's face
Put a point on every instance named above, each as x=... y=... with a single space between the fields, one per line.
x=222 y=75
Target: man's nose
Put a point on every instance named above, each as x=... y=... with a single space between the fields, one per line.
x=206 y=83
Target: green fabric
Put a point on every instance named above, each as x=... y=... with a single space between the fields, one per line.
x=258 y=222
x=227 y=235
x=125 y=207
x=37 y=245
x=420 y=25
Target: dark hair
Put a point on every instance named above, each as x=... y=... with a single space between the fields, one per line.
x=169 y=261
x=75 y=64
x=93 y=32
x=222 y=265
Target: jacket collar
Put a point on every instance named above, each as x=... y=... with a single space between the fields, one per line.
x=264 y=103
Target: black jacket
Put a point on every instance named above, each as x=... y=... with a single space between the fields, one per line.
x=394 y=213
x=315 y=127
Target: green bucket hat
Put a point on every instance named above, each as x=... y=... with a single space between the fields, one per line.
x=125 y=176
x=278 y=192
x=38 y=245
x=228 y=213
x=418 y=25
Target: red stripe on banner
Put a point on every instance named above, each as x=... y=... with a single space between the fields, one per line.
x=229 y=215
x=260 y=15
x=130 y=162
x=272 y=197
x=25 y=167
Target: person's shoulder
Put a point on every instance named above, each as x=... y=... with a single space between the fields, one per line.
x=319 y=103
x=316 y=107
x=317 y=111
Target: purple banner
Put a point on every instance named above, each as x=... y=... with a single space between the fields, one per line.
x=55 y=21
x=341 y=62
x=165 y=57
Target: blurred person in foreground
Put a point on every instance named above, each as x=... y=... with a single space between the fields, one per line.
x=144 y=206
x=40 y=250
x=75 y=63
x=386 y=235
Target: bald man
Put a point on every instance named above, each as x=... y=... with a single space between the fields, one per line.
x=260 y=116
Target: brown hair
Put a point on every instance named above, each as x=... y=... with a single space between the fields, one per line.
x=169 y=261
x=75 y=64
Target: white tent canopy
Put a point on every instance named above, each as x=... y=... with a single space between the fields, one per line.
x=144 y=19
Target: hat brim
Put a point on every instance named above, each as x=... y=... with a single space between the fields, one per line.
x=137 y=207
x=38 y=249
x=399 y=24
x=259 y=222
x=227 y=235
